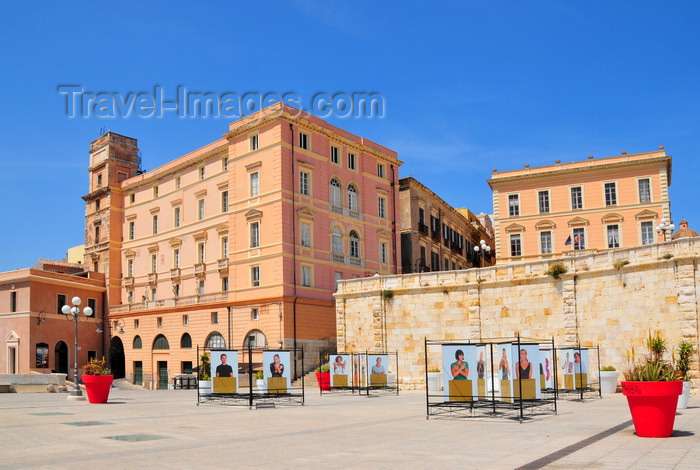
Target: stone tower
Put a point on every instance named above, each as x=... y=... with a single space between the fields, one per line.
x=113 y=158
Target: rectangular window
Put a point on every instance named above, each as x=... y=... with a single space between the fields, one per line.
x=178 y=182
x=176 y=290
x=155 y=224
x=446 y=264
x=176 y=258
x=200 y=212
x=60 y=301
x=132 y=198
x=543 y=198
x=154 y=297
x=576 y=198
x=434 y=261
x=303 y=141
x=155 y=192
x=334 y=155
x=380 y=170
x=99 y=181
x=136 y=324
x=338 y=277
x=610 y=194
x=200 y=289
x=154 y=263
x=545 y=242
x=214 y=317
x=579 y=239
x=255 y=313
x=202 y=172
x=513 y=205
x=255 y=276
x=132 y=230
x=224 y=201
x=254 y=184
x=254 y=142
x=381 y=207
x=224 y=247
x=97 y=234
x=254 y=234
x=201 y=253
x=97 y=204
x=644 y=190
x=647 y=229
x=613 y=236
x=224 y=164
x=186 y=367
x=185 y=320
x=305 y=234
x=13 y=301
x=130 y=268
x=351 y=161
x=382 y=252
x=515 y=246
x=224 y=284
x=176 y=217
x=304 y=183
x=306 y=276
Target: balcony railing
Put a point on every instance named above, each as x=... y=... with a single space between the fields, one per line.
x=175 y=273
x=422 y=228
x=169 y=303
x=200 y=269
x=128 y=281
x=222 y=264
x=152 y=277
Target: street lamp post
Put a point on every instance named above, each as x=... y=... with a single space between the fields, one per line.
x=76 y=393
x=481 y=251
x=665 y=227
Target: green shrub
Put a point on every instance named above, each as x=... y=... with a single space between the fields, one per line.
x=556 y=269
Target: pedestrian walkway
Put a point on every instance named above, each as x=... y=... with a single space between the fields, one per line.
x=166 y=429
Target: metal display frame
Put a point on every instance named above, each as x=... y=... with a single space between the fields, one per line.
x=581 y=392
x=491 y=404
x=255 y=397
x=360 y=376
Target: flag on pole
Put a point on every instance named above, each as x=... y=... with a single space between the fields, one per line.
x=568 y=241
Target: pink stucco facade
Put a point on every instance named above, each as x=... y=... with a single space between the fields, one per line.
x=244 y=236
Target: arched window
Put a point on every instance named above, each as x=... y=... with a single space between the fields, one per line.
x=186 y=341
x=137 y=342
x=336 y=241
x=335 y=193
x=161 y=342
x=215 y=341
x=256 y=338
x=352 y=198
x=354 y=244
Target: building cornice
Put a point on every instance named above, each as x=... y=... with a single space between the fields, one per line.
x=558 y=171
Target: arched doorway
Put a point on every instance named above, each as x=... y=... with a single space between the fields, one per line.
x=116 y=358
x=60 y=356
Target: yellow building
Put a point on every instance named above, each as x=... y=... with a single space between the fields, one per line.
x=590 y=205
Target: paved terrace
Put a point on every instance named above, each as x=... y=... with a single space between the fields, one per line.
x=166 y=429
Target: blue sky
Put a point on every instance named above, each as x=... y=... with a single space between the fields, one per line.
x=468 y=86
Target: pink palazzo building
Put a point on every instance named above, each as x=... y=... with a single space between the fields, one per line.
x=241 y=240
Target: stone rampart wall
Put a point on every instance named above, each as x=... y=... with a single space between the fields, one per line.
x=610 y=299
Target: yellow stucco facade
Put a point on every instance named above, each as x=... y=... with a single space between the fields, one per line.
x=590 y=205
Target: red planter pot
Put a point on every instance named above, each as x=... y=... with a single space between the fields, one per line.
x=653 y=406
x=97 y=387
x=324 y=380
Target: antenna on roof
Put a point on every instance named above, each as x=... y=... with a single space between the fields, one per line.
x=103 y=131
x=139 y=161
